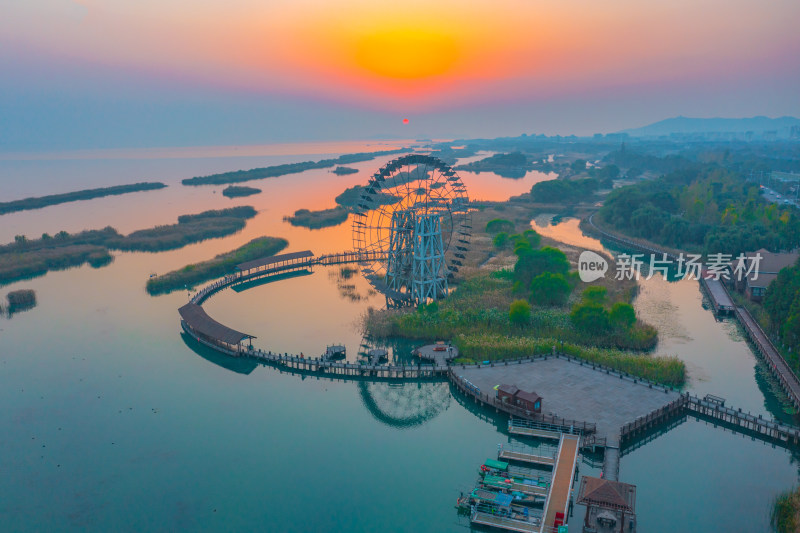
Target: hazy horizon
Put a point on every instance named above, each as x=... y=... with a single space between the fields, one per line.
x=107 y=74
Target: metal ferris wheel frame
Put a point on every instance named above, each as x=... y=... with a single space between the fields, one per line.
x=414 y=223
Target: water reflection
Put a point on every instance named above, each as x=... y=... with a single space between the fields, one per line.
x=239 y=365
x=241 y=287
x=404 y=405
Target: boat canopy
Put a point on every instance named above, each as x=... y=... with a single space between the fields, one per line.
x=499 y=498
x=497 y=465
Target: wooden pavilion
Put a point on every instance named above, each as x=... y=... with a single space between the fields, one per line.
x=611 y=505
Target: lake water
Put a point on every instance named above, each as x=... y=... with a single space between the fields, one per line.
x=111 y=420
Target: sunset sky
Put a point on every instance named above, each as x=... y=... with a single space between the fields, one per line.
x=97 y=73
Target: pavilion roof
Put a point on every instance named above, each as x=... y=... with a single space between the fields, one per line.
x=607 y=494
x=196 y=317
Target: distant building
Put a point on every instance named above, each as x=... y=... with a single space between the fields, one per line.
x=529 y=401
x=754 y=284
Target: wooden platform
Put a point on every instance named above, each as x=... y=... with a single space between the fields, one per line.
x=576 y=395
x=563 y=476
x=522 y=457
x=534 y=432
x=718 y=295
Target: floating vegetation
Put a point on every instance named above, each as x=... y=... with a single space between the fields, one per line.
x=324 y=218
x=19 y=301
x=288 y=168
x=86 y=194
x=343 y=171
x=235 y=191
x=28 y=258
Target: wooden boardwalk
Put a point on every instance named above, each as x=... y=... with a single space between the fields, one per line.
x=776 y=363
x=563 y=477
x=712 y=408
x=302 y=364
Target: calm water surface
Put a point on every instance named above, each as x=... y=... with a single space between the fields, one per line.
x=111 y=420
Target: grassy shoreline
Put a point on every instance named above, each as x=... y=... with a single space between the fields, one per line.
x=222 y=264
x=40 y=202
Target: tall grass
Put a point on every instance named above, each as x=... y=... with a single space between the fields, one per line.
x=491 y=347
x=786 y=512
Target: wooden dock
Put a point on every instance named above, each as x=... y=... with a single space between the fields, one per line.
x=563 y=477
x=776 y=363
x=717 y=294
x=501 y=522
x=611 y=463
x=546 y=423
x=530 y=458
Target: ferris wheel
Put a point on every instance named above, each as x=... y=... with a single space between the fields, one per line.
x=412 y=225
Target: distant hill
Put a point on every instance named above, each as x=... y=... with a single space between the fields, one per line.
x=685 y=125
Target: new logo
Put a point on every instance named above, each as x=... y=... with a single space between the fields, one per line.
x=591 y=266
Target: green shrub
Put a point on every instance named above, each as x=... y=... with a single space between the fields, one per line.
x=594 y=294
x=550 y=289
x=497 y=225
x=500 y=240
x=622 y=315
x=591 y=318
x=519 y=312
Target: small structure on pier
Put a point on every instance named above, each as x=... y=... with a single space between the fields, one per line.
x=529 y=401
x=209 y=331
x=376 y=355
x=439 y=353
x=611 y=505
x=335 y=351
